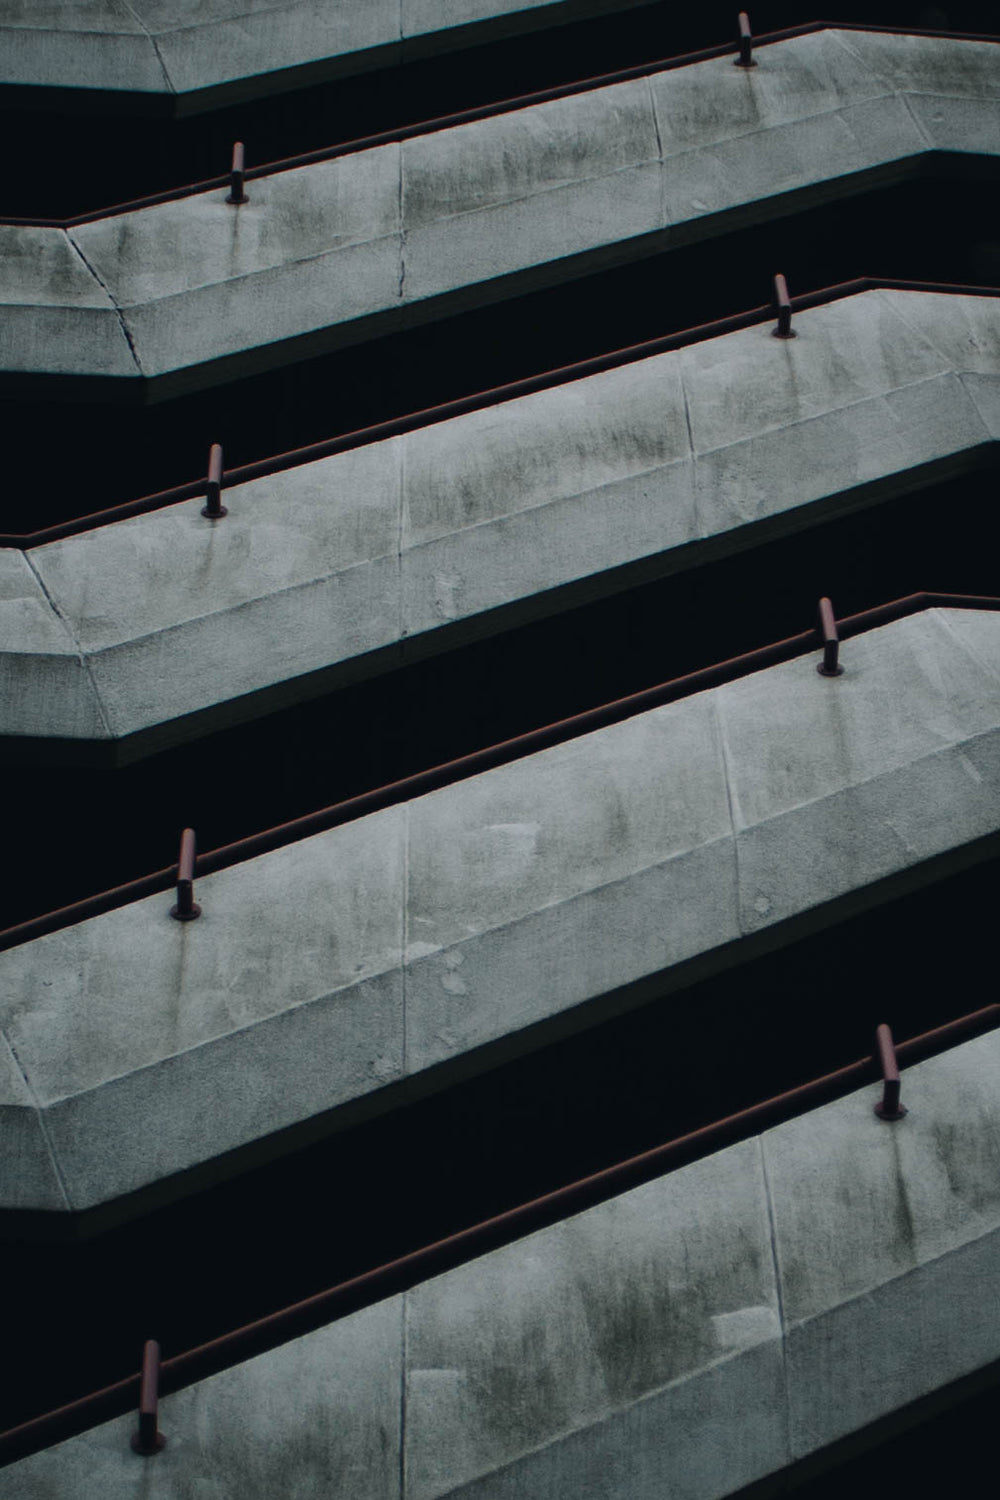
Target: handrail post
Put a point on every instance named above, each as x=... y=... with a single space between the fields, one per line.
x=745 y=43
x=148 y=1439
x=187 y=907
x=783 y=303
x=213 y=507
x=237 y=176
x=888 y=1108
x=830 y=665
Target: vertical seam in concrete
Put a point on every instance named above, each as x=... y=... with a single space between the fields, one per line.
x=894 y=303
x=659 y=150
x=696 y=516
x=404 y=1312
x=401 y=210
x=776 y=1264
x=918 y=125
x=400 y=534
x=81 y=655
x=969 y=392
x=967 y=650
x=840 y=39
x=154 y=44
x=40 y=1115
x=126 y=333
x=405 y=927
x=720 y=730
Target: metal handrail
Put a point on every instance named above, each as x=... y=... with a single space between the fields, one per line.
x=463 y=405
x=432 y=1260
x=449 y=772
x=483 y=112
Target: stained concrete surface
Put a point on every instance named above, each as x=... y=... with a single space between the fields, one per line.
x=380 y=552
x=415 y=936
x=689 y=1336
x=184 y=48
x=336 y=251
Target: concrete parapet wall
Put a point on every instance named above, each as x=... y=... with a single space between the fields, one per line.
x=688 y=1337
x=323 y=972
x=191 y=51
x=195 y=290
x=372 y=556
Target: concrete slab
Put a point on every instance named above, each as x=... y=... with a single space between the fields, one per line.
x=184 y=50
x=38 y=1184
x=338 y=251
x=703 y=1330
x=401 y=547
x=537 y=1345
x=239 y=1030
x=532 y=894
x=885 y=1237
x=43 y=675
x=51 y=295
x=316 y=1417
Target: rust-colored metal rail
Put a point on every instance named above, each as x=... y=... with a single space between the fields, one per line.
x=431 y=1260
x=480 y=112
x=195 y=489
x=430 y=780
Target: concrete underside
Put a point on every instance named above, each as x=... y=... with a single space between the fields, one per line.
x=339 y=971
x=687 y=1338
x=168 y=624
x=197 y=54
x=195 y=291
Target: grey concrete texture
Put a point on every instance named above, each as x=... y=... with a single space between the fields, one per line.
x=331 y=253
x=181 y=48
x=687 y=1337
x=371 y=557
x=428 y=933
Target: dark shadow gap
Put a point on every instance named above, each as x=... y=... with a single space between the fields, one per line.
x=78 y=152
x=65 y=459
x=918 y=1451
x=361 y=1198
x=72 y=832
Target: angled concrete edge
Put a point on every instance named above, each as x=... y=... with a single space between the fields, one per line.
x=423 y=936
x=196 y=56
x=701 y=1332
x=392 y=550
x=200 y=291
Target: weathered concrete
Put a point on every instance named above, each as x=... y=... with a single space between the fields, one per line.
x=688 y=1337
x=335 y=252
x=323 y=972
x=195 y=54
x=389 y=551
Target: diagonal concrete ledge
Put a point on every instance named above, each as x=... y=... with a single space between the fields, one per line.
x=338 y=251
x=191 y=55
x=702 y=1331
x=168 y=625
x=547 y=894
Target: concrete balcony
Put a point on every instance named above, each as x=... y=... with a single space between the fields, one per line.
x=169 y=625
x=195 y=291
x=194 y=55
x=700 y=1332
x=337 y=975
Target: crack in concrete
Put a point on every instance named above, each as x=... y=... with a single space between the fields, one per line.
x=40 y=1116
x=80 y=653
x=779 y=1296
x=153 y=43
x=126 y=333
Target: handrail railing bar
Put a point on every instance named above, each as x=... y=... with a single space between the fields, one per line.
x=324 y=1307
x=420 y=783
x=478 y=401
x=480 y=112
